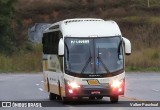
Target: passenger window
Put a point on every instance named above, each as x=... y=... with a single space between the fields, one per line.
x=50 y=42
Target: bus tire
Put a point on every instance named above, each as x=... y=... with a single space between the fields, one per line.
x=114 y=99
x=59 y=97
x=52 y=96
x=66 y=100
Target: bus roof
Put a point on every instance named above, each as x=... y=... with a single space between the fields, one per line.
x=86 y=27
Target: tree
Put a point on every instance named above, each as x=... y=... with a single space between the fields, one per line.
x=6 y=34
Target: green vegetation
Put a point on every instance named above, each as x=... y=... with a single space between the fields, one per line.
x=7 y=37
x=142 y=69
x=137 y=21
x=144 y=60
x=22 y=61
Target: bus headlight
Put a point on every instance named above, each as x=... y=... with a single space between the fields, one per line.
x=116 y=84
x=73 y=85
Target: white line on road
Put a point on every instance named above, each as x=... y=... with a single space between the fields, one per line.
x=155 y=90
x=5 y=78
x=40 y=89
x=37 y=84
x=42 y=81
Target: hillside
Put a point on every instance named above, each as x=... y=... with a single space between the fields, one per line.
x=138 y=22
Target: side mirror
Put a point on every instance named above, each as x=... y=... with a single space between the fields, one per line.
x=127 y=46
x=61 y=47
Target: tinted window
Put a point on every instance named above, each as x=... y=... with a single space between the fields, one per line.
x=50 y=42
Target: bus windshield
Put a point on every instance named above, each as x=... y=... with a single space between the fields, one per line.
x=100 y=55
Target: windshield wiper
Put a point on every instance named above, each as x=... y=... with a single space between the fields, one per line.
x=86 y=64
x=67 y=51
x=99 y=59
x=119 y=45
x=67 y=62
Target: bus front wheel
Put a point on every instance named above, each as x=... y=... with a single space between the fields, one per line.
x=114 y=99
x=52 y=96
x=66 y=99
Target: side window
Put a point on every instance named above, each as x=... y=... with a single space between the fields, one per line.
x=55 y=42
x=50 y=42
x=45 y=42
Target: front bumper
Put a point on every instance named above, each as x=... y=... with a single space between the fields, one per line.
x=93 y=90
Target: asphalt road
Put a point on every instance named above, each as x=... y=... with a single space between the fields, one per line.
x=29 y=87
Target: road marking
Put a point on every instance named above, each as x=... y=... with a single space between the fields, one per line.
x=40 y=89
x=155 y=90
x=37 y=84
x=5 y=78
x=42 y=81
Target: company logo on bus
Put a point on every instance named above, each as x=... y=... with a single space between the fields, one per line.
x=79 y=41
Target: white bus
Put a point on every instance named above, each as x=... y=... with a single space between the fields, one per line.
x=84 y=58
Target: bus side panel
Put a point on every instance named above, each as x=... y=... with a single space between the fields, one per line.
x=53 y=75
x=45 y=83
x=50 y=82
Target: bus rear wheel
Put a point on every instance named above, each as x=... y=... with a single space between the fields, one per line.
x=52 y=96
x=114 y=99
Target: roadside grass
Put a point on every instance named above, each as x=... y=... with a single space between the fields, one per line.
x=142 y=69
x=21 y=62
x=140 y=18
x=144 y=60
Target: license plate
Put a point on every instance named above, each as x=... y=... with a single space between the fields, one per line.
x=95 y=92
